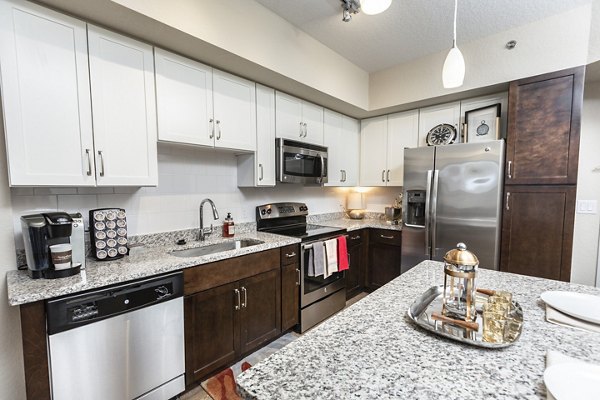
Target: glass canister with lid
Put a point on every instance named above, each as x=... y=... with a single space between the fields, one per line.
x=460 y=271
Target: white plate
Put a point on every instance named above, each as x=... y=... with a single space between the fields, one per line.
x=578 y=305
x=573 y=381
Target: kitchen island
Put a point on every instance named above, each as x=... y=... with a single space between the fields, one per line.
x=372 y=350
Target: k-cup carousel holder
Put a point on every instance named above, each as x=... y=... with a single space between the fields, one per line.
x=108 y=233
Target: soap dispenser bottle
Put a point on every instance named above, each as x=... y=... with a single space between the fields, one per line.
x=228 y=226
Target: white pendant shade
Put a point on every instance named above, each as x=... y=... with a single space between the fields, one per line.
x=372 y=7
x=453 y=73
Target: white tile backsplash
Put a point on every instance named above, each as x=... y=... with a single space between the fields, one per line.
x=186 y=176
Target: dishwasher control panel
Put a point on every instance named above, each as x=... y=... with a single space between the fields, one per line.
x=74 y=311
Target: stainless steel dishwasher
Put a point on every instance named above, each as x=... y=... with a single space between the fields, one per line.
x=120 y=343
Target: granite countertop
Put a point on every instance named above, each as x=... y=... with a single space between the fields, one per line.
x=371 y=350
x=142 y=262
x=355 y=224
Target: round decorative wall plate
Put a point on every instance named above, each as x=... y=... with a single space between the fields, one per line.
x=441 y=134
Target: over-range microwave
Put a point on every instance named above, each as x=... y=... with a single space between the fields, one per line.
x=299 y=162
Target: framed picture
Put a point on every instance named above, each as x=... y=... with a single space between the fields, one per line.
x=482 y=124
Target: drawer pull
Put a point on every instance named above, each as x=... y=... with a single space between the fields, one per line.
x=386 y=237
x=290 y=255
x=355 y=237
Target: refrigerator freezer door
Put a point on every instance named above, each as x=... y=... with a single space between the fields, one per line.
x=469 y=198
x=417 y=163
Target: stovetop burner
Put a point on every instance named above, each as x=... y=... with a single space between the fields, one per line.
x=289 y=219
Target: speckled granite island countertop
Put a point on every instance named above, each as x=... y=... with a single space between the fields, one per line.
x=141 y=263
x=371 y=350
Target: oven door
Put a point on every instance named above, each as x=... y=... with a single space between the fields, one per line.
x=314 y=288
x=299 y=164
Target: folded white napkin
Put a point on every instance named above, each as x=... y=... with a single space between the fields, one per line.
x=556 y=317
x=554 y=358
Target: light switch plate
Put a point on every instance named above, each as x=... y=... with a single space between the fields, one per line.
x=587 y=207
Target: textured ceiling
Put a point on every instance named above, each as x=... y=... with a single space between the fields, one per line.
x=410 y=29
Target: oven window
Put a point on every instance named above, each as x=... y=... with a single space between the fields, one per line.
x=302 y=165
x=312 y=283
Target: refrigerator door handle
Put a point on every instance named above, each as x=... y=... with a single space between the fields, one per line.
x=427 y=214
x=434 y=196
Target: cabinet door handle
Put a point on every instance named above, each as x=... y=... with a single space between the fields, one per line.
x=383 y=175
x=386 y=237
x=245 y=303
x=237 y=294
x=290 y=255
x=260 y=167
x=298 y=281
x=212 y=128
x=301 y=129
x=218 y=130
x=101 y=162
x=341 y=175
x=89 y=158
x=507 y=200
x=305 y=130
x=509 y=170
x=388 y=175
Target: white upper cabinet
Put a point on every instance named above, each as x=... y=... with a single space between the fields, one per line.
x=403 y=131
x=184 y=99
x=342 y=139
x=297 y=119
x=373 y=151
x=234 y=112
x=124 y=109
x=201 y=106
x=45 y=96
x=258 y=169
x=430 y=117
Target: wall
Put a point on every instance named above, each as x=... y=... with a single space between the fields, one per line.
x=186 y=176
x=555 y=43
x=12 y=380
x=587 y=226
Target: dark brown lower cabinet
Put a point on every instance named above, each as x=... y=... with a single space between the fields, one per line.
x=357 y=251
x=231 y=308
x=537 y=231
x=290 y=296
x=384 y=257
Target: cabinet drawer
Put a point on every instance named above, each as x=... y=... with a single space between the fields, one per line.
x=392 y=238
x=355 y=238
x=290 y=254
x=211 y=275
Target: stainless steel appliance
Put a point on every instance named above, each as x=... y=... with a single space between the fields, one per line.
x=452 y=194
x=298 y=162
x=123 y=342
x=319 y=297
x=40 y=231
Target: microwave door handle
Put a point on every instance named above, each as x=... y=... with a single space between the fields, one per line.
x=434 y=198
x=322 y=169
x=427 y=204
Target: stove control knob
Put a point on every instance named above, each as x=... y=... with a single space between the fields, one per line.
x=269 y=211
x=263 y=211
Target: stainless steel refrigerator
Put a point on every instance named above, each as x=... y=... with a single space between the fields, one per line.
x=452 y=194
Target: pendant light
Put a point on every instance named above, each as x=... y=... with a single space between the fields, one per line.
x=372 y=7
x=453 y=73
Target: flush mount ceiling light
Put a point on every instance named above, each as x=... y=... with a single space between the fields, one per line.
x=453 y=73
x=369 y=7
x=372 y=7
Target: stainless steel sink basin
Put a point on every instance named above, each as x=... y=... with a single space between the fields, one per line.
x=216 y=248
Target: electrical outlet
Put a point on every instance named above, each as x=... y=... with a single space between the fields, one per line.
x=587 y=207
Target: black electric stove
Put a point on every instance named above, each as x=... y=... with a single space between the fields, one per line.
x=289 y=219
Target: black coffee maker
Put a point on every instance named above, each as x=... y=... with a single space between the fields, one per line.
x=40 y=231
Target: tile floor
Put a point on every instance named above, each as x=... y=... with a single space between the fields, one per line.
x=199 y=394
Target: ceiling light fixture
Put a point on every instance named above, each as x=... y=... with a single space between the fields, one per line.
x=372 y=7
x=453 y=73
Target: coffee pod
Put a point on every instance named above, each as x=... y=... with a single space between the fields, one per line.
x=61 y=255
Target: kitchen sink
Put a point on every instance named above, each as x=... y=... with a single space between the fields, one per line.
x=216 y=248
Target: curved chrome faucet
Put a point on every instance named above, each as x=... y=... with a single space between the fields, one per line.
x=202 y=233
